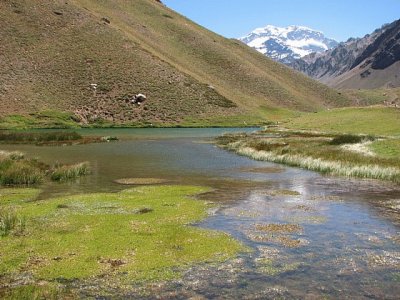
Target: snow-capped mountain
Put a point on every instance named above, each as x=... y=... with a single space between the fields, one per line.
x=288 y=44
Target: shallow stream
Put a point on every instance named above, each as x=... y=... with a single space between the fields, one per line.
x=311 y=236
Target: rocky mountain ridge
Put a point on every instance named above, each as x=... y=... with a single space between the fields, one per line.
x=358 y=62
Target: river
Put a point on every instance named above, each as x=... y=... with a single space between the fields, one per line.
x=341 y=239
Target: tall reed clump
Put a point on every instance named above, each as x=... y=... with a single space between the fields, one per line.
x=23 y=137
x=16 y=170
x=10 y=222
x=68 y=172
x=350 y=139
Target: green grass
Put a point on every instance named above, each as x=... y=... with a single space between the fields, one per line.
x=15 y=169
x=368 y=120
x=389 y=148
x=321 y=153
x=138 y=234
x=37 y=137
x=34 y=292
x=69 y=172
x=373 y=96
x=11 y=223
x=44 y=119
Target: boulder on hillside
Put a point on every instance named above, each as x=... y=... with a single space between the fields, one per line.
x=138 y=99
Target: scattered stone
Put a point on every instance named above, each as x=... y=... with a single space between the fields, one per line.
x=105 y=20
x=58 y=13
x=138 y=99
x=112 y=262
x=109 y=138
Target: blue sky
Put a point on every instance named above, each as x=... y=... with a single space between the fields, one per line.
x=338 y=19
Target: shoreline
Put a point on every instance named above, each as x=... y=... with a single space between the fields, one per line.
x=314 y=153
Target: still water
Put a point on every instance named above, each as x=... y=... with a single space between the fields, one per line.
x=340 y=238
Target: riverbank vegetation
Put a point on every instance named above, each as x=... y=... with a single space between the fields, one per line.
x=109 y=239
x=351 y=142
x=343 y=155
x=16 y=169
x=50 y=138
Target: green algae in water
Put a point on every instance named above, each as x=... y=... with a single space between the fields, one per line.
x=269 y=267
x=284 y=193
x=75 y=238
x=140 y=181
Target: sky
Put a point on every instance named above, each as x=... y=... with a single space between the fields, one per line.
x=340 y=19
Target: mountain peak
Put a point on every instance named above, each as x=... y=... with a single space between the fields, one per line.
x=286 y=44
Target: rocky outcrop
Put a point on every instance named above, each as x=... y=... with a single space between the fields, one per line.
x=358 y=63
x=332 y=63
x=384 y=51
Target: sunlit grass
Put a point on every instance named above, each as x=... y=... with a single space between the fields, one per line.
x=15 y=170
x=144 y=233
x=367 y=120
x=322 y=153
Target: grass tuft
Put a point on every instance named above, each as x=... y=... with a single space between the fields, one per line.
x=35 y=137
x=10 y=222
x=350 y=139
x=21 y=172
x=69 y=172
x=15 y=169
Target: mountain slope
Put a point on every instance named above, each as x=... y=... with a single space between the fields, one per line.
x=52 y=52
x=368 y=62
x=285 y=45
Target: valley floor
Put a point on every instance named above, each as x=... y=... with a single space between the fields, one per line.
x=351 y=142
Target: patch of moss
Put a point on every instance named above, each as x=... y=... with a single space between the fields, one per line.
x=140 y=181
x=91 y=235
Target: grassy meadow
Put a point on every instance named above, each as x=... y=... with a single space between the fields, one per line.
x=139 y=234
x=375 y=120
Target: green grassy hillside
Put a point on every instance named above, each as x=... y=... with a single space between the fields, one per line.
x=52 y=51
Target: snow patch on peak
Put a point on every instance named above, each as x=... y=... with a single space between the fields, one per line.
x=286 y=44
